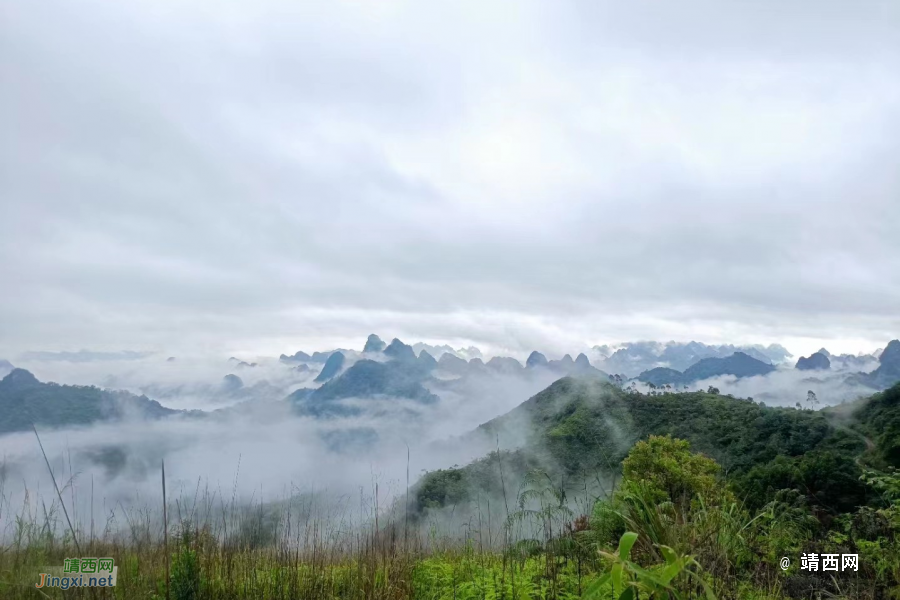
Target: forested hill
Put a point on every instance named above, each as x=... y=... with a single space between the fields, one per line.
x=577 y=427
x=877 y=419
x=25 y=400
x=584 y=425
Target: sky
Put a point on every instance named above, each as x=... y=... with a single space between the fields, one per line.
x=256 y=178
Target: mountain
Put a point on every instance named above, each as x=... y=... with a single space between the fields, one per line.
x=878 y=419
x=576 y=427
x=852 y=361
x=333 y=366
x=661 y=376
x=373 y=344
x=476 y=365
x=738 y=364
x=366 y=379
x=25 y=400
x=300 y=356
x=399 y=351
x=426 y=361
x=453 y=364
x=230 y=390
x=231 y=383
x=888 y=371
x=536 y=359
x=582 y=361
x=505 y=364
x=5 y=367
x=817 y=361
x=635 y=357
x=321 y=357
x=565 y=364
x=436 y=351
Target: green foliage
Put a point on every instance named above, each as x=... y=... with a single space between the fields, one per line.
x=878 y=419
x=542 y=505
x=587 y=426
x=674 y=579
x=185 y=575
x=490 y=475
x=577 y=426
x=830 y=480
x=671 y=471
x=474 y=577
x=607 y=522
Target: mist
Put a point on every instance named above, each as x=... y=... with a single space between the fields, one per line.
x=254 y=449
x=786 y=387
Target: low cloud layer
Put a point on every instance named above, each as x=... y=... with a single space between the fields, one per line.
x=258 y=449
x=250 y=178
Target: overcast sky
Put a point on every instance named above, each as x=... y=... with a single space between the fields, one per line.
x=259 y=177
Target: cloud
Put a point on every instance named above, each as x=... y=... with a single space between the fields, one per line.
x=514 y=175
x=253 y=451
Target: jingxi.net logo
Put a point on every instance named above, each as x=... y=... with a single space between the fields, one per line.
x=80 y=572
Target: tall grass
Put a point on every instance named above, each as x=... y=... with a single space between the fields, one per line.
x=639 y=541
x=301 y=545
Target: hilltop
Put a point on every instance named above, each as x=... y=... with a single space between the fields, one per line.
x=25 y=400
x=738 y=364
x=578 y=427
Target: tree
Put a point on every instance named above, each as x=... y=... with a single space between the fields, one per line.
x=811 y=399
x=671 y=471
x=713 y=390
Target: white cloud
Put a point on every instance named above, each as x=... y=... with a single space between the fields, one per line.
x=195 y=176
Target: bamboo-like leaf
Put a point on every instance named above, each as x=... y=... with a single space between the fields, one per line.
x=628 y=594
x=616 y=576
x=668 y=554
x=625 y=544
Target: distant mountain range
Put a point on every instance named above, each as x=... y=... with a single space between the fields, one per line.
x=672 y=363
x=394 y=370
x=397 y=370
x=888 y=371
x=634 y=358
x=25 y=400
x=738 y=364
x=850 y=361
x=817 y=361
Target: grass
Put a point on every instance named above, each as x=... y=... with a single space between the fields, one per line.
x=671 y=530
x=266 y=552
x=304 y=545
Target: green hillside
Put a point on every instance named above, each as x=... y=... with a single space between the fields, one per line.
x=734 y=484
x=577 y=427
x=25 y=400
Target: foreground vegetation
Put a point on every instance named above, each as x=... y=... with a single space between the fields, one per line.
x=709 y=516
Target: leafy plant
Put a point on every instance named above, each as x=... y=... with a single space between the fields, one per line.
x=629 y=580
